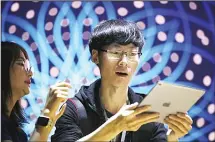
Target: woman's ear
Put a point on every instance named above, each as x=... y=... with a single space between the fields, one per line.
x=95 y=56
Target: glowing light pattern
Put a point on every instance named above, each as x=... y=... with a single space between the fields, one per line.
x=179 y=48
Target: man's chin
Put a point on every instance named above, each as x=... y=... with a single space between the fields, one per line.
x=121 y=83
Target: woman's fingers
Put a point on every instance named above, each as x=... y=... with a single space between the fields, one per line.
x=62 y=84
x=60 y=88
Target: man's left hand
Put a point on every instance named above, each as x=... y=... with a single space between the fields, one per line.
x=180 y=123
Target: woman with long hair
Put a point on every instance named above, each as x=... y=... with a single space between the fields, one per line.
x=16 y=77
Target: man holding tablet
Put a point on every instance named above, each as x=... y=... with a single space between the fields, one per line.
x=107 y=110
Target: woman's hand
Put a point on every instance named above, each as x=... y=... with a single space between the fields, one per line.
x=58 y=94
x=131 y=117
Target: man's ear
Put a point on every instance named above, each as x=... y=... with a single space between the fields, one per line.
x=95 y=56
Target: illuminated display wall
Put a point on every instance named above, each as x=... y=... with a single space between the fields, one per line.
x=180 y=48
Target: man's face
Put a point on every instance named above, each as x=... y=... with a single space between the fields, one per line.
x=118 y=63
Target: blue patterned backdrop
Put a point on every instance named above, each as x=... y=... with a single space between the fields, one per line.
x=180 y=48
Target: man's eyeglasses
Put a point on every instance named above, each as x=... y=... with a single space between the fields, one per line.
x=116 y=55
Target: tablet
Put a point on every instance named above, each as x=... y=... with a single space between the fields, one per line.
x=168 y=98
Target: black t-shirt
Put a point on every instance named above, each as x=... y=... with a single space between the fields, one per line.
x=72 y=126
x=10 y=131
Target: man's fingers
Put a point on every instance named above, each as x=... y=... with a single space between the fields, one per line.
x=177 y=124
x=175 y=129
x=134 y=125
x=142 y=109
x=182 y=121
x=131 y=106
x=185 y=116
x=146 y=118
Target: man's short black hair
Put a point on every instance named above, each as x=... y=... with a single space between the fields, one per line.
x=115 y=31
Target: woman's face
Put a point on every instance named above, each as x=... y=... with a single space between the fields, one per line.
x=20 y=77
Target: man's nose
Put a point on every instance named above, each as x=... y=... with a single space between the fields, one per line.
x=123 y=60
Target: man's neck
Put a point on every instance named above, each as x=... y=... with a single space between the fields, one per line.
x=112 y=97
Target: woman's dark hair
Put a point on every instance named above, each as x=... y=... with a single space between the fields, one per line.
x=10 y=52
x=115 y=31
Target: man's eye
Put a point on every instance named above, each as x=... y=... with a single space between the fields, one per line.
x=133 y=54
x=116 y=53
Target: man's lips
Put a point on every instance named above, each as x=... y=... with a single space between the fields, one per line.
x=121 y=73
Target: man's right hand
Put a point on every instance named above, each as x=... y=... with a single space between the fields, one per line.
x=131 y=117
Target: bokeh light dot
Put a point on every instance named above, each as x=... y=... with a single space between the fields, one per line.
x=86 y=35
x=211 y=108
x=159 y=19
x=39 y=100
x=32 y=116
x=64 y=22
x=205 y=41
x=12 y=29
x=30 y=14
x=50 y=39
x=146 y=67
x=179 y=37
x=87 y=21
x=174 y=57
x=33 y=46
x=122 y=11
x=66 y=35
x=200 y=122
x=38 y=59
x=193 y=5
x=15 y=7
x=99 y=10
x=167 y=71
x=211 y=136
x=141 y=25
x=162 y=36
x=25 y=36
x=197 y=59
x=84 y=81
x=156 y=79
x=157 y=57
x=96 y=71
x=138 y=4
x=76 y=4
x=48 y=26
x=54 y=71
x=200 y=33
x=189 y=75
x=207 y=80
x=23 y=103
x=53 y=11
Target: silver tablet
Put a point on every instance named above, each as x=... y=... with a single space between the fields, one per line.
x=167 y=98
